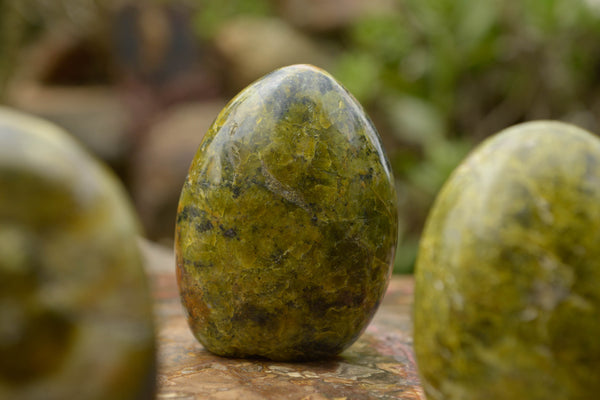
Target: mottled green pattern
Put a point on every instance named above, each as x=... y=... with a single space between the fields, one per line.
x=507 y=301
x=287 y=222
x=75 y=311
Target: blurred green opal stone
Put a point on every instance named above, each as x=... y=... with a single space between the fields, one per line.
x=507 y=298
x=287 y=222
x=75 y=309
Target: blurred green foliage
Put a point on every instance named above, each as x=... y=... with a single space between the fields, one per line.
x=213 y=14
x=10 y=36
x=444 y=74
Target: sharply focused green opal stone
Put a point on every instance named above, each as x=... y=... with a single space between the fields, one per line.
x=75 y=311
x=287 y=222
x=507 y=301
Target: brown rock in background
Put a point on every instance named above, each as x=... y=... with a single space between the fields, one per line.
x=162 y=160
x=65 y=78
x=252 y=47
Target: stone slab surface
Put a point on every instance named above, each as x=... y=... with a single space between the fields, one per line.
x=380 y=365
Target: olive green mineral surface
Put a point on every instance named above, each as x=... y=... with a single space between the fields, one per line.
x=75 y=316
x=507 y=301
x=287 y=222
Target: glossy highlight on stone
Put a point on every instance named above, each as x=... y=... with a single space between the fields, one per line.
x=507 y=296
x=287 y=222
x=75 y=310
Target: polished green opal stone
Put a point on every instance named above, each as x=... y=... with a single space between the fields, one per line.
x=287 y=222
x=507 y=300
x=75 y=311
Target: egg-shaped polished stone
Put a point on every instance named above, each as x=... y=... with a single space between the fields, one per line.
x=75 y=310
x=507 y=298
x=287 y=222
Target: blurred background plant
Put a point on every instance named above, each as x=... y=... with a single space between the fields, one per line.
x=140 y=81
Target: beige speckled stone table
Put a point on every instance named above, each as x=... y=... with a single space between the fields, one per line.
x=380 y=365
